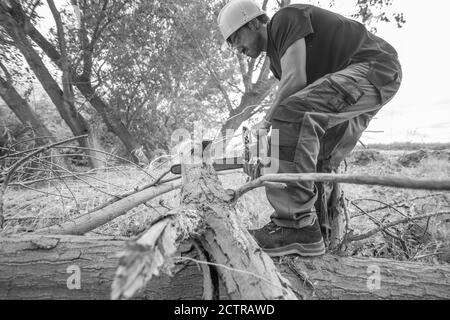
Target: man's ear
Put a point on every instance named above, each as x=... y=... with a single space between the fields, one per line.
x=254 y=24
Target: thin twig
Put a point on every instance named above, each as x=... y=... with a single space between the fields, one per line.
x=78 y=177
x=374 y=220
x=65 y=184
x=25 y=159
x=379 y=224
x=397 y=203
x=31 y=139
x=232 y=269
x=392 y=224
x=389 y=206
x=40 y=150
x=129 y=193
x=28 y=182
x=112 y=155
x=40 y=191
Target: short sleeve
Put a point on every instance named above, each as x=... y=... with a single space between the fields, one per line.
x=289 y=25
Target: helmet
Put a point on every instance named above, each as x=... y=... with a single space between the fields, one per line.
x=236 y=14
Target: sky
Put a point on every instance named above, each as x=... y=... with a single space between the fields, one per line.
x=420 y=112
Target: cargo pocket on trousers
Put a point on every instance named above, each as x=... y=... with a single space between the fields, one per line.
x=348 y=92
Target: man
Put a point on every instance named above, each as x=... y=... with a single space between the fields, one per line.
x=334 y=77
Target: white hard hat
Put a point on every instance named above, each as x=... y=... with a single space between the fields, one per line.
x=236 y=14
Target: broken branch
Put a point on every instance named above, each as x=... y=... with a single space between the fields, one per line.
x=396 y=182
x=370 y=233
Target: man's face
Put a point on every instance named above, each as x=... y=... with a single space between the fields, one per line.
x=247 y=41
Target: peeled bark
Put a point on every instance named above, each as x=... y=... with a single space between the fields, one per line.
x=227 y=242
x=36 y=267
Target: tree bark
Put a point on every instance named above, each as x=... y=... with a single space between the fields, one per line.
x=112 y=121
x=83 y=83
x=68 y=95
x=205 y=215
x=24 y=113
x=36 y=267
x=77 y=124
x=227 y=242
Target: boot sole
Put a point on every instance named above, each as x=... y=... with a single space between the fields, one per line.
x=301 y=249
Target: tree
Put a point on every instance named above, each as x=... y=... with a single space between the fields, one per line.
x=150 y=75
x=22 y=109
x=84 y=46
x=15 y=24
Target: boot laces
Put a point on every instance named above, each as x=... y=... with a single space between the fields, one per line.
x=272 y=227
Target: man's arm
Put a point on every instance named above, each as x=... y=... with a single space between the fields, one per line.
x=293 y=74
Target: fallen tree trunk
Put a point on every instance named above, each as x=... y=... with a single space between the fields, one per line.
x=90 y=221
x=77 y=267
x=40 y=267
x=206 y=216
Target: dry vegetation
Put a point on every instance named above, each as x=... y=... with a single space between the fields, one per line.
x=425 y=241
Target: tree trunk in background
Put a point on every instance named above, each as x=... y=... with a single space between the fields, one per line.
x=39 y=267
x=68 y=96
x=112 y=121
x=251 y=99
x=26 y=115
x=23 y=111
x=77 y=124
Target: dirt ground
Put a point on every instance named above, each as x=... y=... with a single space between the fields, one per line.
x=427 y=241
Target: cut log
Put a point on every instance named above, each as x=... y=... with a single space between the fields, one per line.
x=40 y=267
x=47 y=267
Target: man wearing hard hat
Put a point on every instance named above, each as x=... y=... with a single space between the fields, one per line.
x=334 y=77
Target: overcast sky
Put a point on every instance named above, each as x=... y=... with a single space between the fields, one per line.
x=420 y=111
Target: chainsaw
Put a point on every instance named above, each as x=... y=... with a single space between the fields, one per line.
x=254 y=158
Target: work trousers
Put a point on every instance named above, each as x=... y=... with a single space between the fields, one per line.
x=326 y=118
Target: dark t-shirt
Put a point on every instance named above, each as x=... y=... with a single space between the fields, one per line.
x=332 y=43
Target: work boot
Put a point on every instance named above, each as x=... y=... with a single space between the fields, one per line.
x=279 y=241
